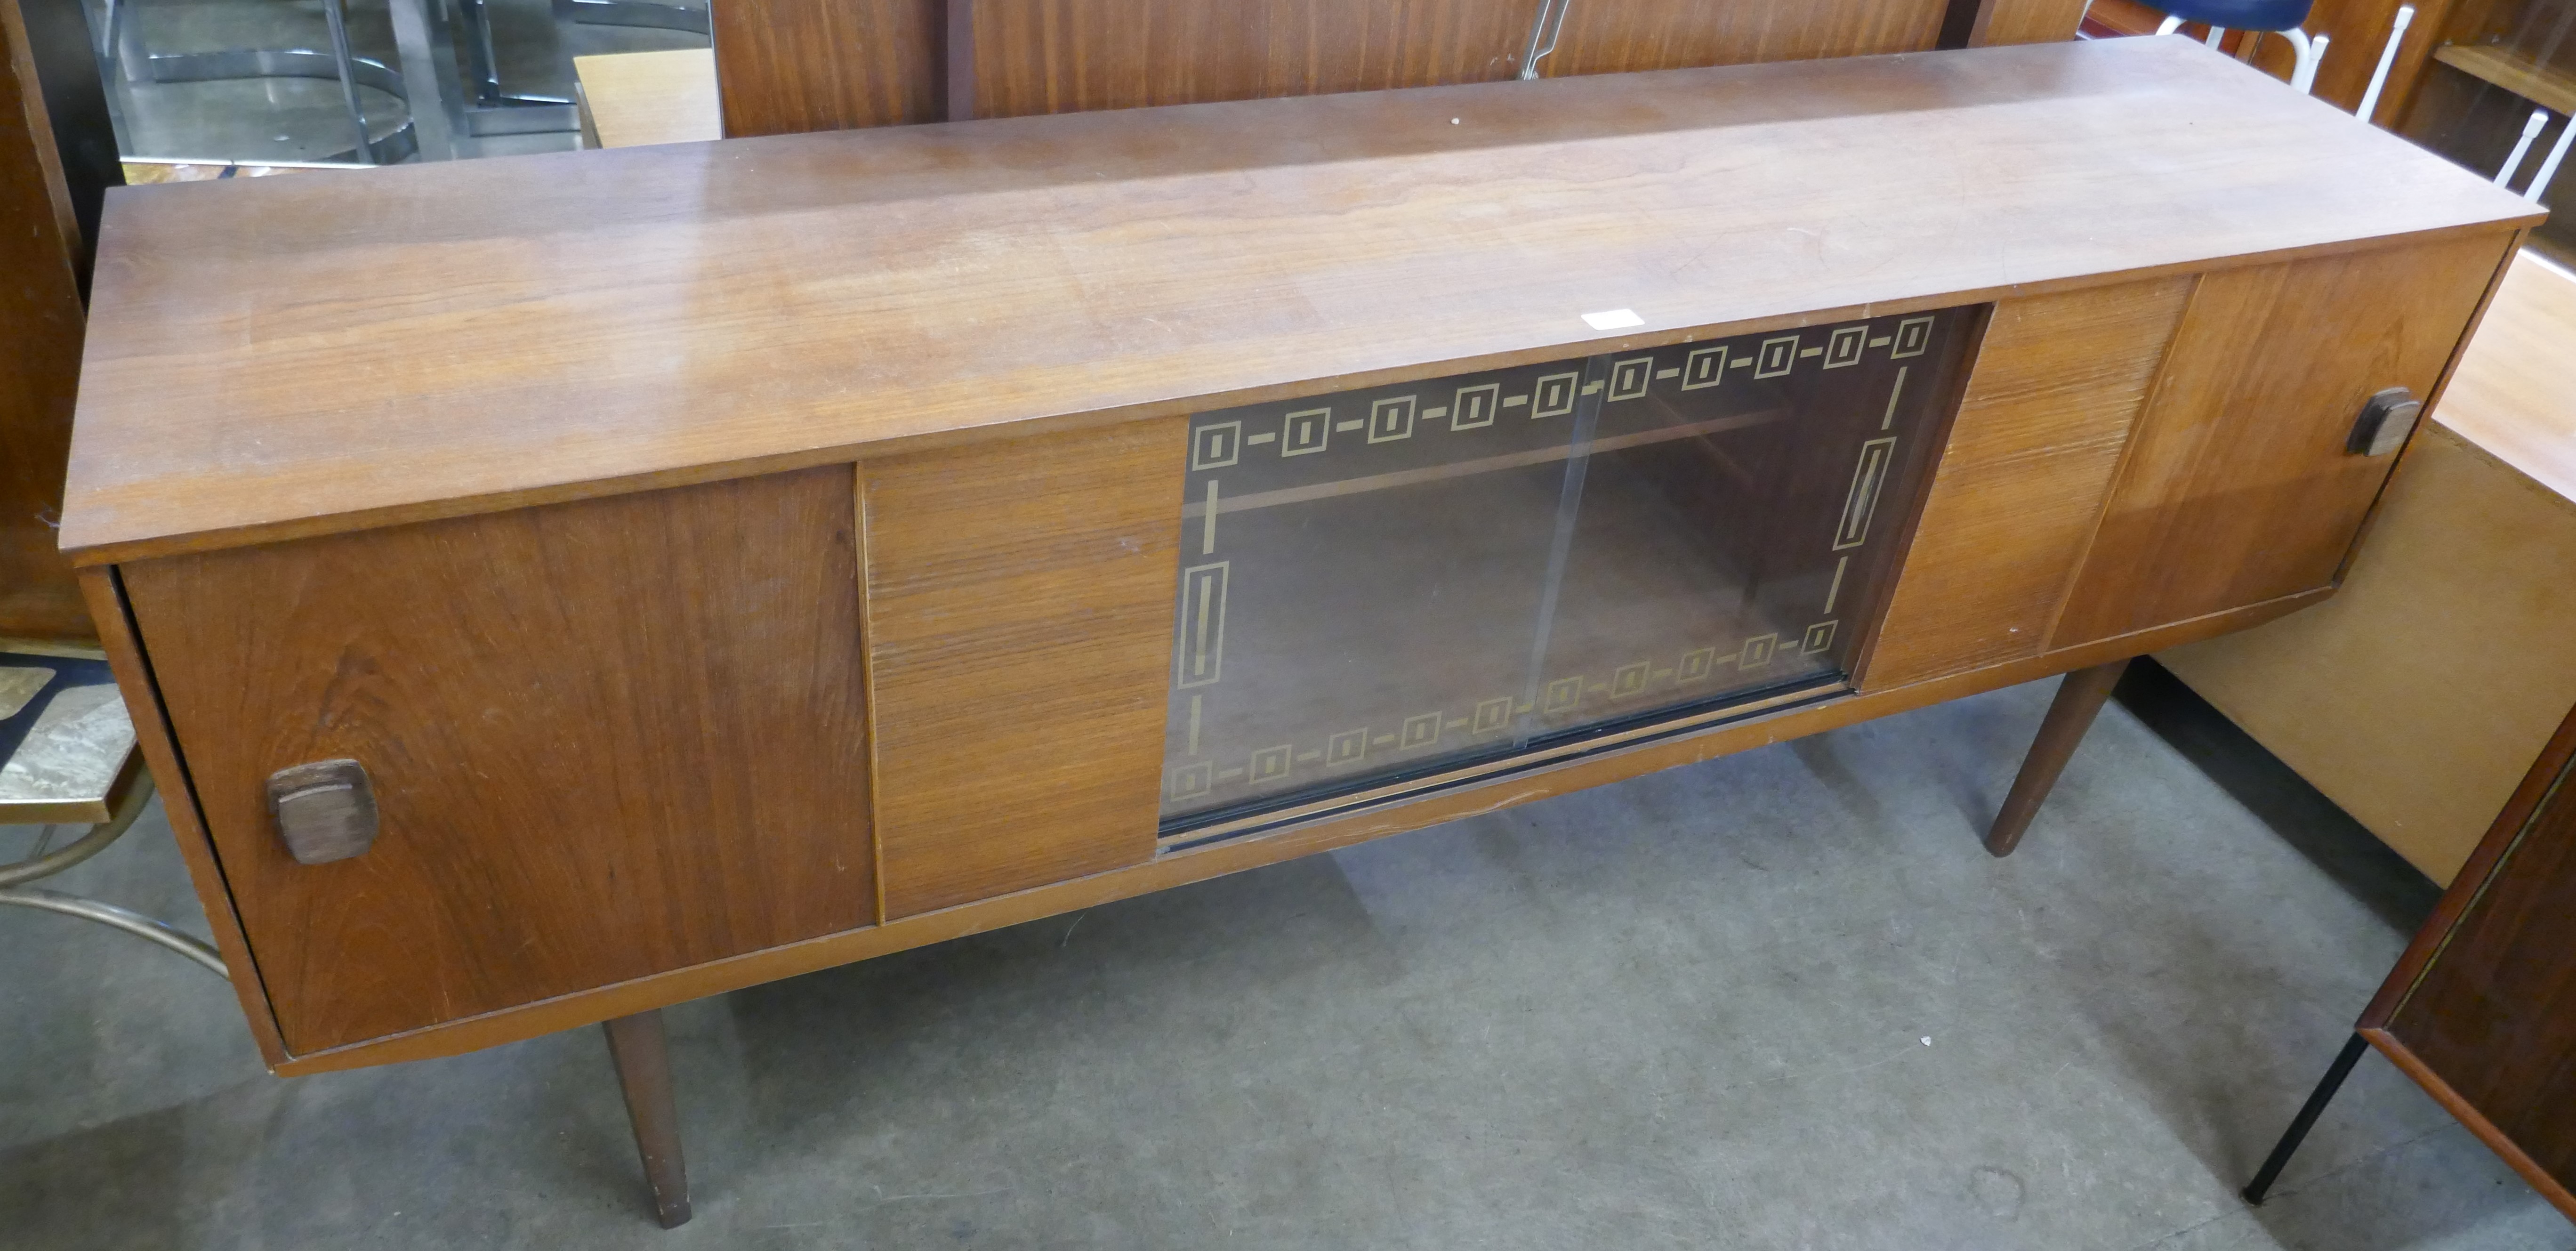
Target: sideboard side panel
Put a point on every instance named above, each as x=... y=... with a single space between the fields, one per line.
x=1019 y=609
x=607 y=739
x=2049 y=406
x=2239 y=489
x=108 y=611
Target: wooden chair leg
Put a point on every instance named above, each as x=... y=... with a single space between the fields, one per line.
x=643 y=1058
x=2079 y=698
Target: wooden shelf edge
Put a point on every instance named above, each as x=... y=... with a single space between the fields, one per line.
x=2550 y=88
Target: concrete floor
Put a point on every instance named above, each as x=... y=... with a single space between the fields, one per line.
x=1777 y=1000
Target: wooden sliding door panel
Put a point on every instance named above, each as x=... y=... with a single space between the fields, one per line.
x=606 y=739
x=2238 y=489
x=2049 y=405
x=1019 y=611
x=1067 y=56
x=1617 y=36
x=788 y=66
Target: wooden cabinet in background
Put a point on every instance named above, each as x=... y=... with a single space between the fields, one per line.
x=40 y=342
x=2481 y=1010
x=783 y=564
x=787 y=66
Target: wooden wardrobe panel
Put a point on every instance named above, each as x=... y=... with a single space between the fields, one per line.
x=1020 y=612
x=1068 y=56
x=788 y=66
x=2238 y=488
x=607 y=739
x=2049 y=405
x=1616 y=36
x=40 y=350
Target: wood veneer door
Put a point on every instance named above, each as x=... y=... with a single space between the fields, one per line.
x=607 y=739
x=2237 y=488
x=1020 y=621
x=2057 y=387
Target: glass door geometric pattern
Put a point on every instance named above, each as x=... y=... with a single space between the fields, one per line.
x=1388 y=583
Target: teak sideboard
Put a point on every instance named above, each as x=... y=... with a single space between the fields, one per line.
x=558 y=587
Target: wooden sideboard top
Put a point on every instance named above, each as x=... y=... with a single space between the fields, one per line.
x=304 y=355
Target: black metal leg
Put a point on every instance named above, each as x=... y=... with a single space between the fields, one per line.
x=2306 y=1119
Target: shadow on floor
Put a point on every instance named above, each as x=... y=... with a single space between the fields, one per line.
x=2337 y=845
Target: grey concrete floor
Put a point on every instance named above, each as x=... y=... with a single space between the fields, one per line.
x=1780 y=1000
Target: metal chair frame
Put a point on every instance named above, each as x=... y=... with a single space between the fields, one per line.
x=122 y=52
x=2309 y=50
x=15 y=892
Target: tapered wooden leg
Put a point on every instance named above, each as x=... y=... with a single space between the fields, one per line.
x=643 y=1058
x=2079 y=698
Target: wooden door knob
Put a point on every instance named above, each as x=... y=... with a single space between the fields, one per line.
x=325 y=810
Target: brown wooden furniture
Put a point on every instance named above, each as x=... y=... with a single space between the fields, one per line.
x=767 y=558
x=2498 y=60
x=632 y=98
x=2463 y=83
x=803 y=65
x=40 y=343
x=2358 y=31
x=2448 y=646
x=2481 y=1010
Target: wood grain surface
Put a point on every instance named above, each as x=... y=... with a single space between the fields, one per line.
x=642 y=316
x=40 y=346
x=787 y=66
x=2056 y=391
x=1064 y=56
x=636 y=98
x=107 y=607
x=2237 y=487
x=2462 y=548
x=1019 y=622
x=1616 y=36
x=804 y=65
x=1233 y=856
x=2510 y=393
x=607 y=739
x=2482 y=1008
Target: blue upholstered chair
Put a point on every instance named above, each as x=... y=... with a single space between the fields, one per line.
x=2280 y=16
